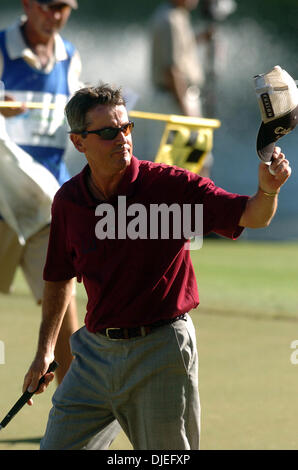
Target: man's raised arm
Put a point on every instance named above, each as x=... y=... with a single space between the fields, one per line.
x=261 y=207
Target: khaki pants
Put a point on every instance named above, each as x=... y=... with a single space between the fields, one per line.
x=30 y=257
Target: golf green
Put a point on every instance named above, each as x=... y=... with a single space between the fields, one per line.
x=246 y=323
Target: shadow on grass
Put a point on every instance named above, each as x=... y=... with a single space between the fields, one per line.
x=28 y=440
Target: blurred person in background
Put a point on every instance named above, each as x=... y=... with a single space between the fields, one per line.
x=37 y=64
x=177 y=74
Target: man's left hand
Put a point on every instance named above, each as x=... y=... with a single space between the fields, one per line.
x=280 y=172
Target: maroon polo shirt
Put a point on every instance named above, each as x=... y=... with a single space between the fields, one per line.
x=134 y=282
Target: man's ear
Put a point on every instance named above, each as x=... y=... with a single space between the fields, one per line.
x=78 y=142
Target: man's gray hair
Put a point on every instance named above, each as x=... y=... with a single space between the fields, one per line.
x=88 y=98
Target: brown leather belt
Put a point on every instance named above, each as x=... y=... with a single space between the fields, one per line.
x=127 y=333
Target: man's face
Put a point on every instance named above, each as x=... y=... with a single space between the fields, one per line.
x=46 y=20
x=106 y=157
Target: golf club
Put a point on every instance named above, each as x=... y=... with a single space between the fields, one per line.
x=25 y=397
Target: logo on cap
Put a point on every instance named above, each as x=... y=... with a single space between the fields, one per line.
x=267 y=105
x=282 y=130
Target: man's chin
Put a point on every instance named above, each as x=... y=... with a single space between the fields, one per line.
x=50 y=31
x=125 y=160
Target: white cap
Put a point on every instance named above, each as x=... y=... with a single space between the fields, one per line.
x=277 y=96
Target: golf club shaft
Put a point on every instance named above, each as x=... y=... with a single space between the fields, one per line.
x=29 y=105
x=25 y=397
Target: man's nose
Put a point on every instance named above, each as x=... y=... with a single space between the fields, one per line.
x=121 y=137
x=57 y=15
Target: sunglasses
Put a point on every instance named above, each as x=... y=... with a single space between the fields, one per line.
x=109 y=133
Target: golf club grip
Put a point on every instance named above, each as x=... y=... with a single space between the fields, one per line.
x=25 y=397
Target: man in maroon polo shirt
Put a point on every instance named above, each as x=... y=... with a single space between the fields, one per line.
x=136 y=358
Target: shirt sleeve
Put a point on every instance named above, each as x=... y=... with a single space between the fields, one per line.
x=222 y=209
x=59 y=263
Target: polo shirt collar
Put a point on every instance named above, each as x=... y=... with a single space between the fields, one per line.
x=17 y=48
x=126 y=187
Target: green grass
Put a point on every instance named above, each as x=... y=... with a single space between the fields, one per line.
x=246 y=321
x=253 y=279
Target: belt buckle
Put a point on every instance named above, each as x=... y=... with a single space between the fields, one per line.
x=109 y=329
